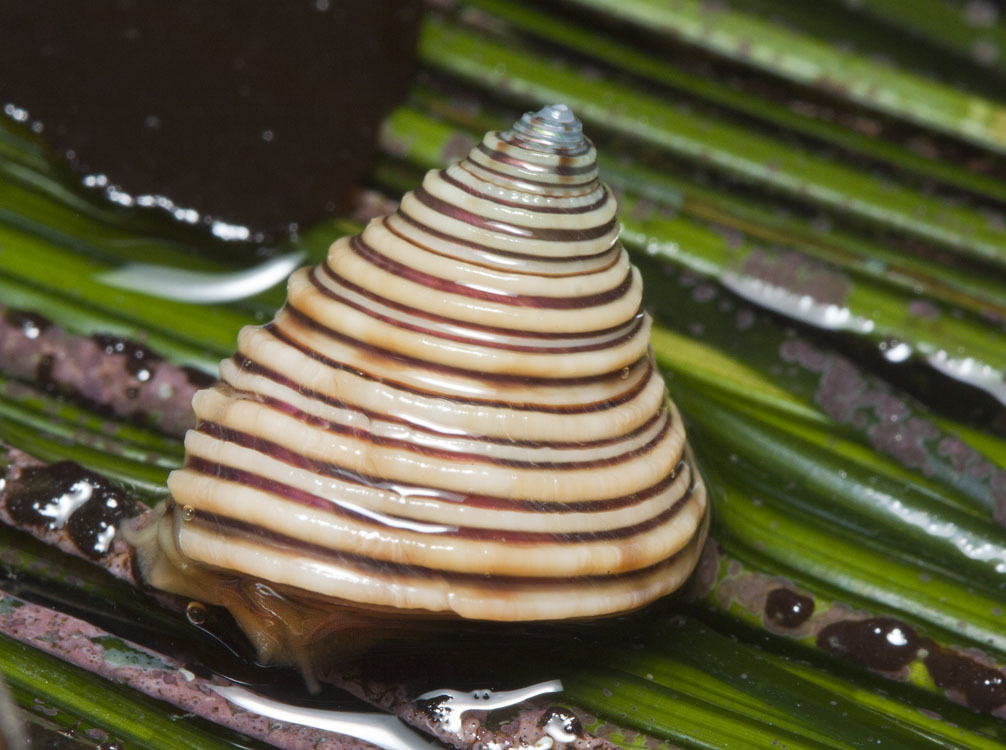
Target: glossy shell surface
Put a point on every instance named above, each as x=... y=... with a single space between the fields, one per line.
x=456 y=413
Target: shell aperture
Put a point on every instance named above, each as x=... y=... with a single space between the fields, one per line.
x=456 y=414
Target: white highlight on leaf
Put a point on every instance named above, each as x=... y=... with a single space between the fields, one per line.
x=383 y=730
x=971 y=371
x=454 y=703
x=802 y=307
x=202 y=287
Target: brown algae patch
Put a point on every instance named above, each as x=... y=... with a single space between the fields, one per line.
x=892 y=425
x=883 y=644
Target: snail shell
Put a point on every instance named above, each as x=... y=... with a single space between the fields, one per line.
x=455 y=414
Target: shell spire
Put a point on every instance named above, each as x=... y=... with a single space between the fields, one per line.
x=553 y=129
x=456 y=414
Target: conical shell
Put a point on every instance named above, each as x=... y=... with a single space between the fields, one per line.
x=455 y=413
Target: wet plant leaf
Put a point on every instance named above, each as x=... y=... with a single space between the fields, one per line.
x=812 y=224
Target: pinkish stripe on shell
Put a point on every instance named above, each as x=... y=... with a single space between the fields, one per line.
x=373 y=256
x=605 y=197
x=545 y=169
x=282 y=406
x=635 y=323
x=488 y=250
x=275 y=329
x=325 y=269
x=372 y=438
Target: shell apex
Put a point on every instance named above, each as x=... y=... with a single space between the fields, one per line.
x=552 y=129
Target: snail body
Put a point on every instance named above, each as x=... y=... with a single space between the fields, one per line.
x=455 y=415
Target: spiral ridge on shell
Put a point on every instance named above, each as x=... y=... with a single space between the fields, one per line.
x=456 y=412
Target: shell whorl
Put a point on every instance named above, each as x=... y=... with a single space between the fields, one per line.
x=456 y=412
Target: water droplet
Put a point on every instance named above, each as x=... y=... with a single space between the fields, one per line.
x=895 y=351
x=195 y=613
x=188 y=513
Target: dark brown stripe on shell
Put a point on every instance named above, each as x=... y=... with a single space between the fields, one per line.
x=529 y=270
x=594 y=406
x=223 y=526
x=485 y=377
x=287 y=456
x=374 y=257
x=514 y=230
x=522 y=140
x=325 y=269
x=528 y=185
x=517 y=204
x=464 y=456
x=397 y=323
x=528 y=166
x=506 y=536
x=613 y=248
x=256 y=368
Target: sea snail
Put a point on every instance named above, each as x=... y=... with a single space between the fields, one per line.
x=455 y=415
